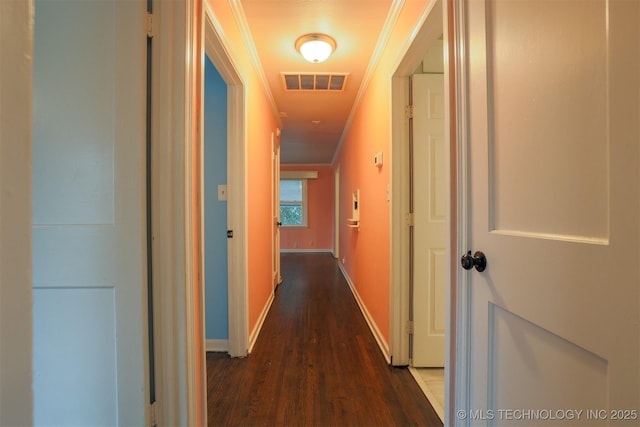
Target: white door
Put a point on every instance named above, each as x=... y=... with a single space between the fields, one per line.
x=429 y=207
x=89 y=257
x=553 y=156
x=275 y=144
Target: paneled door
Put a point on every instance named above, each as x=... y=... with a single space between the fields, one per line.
x=429 y=209
x=553 y=183
x=89 y=258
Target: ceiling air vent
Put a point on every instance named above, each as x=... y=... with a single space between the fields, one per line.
x=328 y=82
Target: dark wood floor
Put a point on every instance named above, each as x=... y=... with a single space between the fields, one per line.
x=315 y=362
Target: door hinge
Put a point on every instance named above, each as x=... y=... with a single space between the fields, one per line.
x=410 y=219
x=148 y=25
x=408 y=111
x=408 y=327
x=229 y=234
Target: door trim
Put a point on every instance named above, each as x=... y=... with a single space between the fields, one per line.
x=439 y=17
x=193 y=219
x=429 y=28
x=181 y=379
x=459 y=304
x=217 y=48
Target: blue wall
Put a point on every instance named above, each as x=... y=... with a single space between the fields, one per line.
x=215 y=212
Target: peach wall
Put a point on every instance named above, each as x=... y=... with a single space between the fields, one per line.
x=318 y=235
x=365 y=252
x=263 y=123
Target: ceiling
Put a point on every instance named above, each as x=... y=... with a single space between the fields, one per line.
x=313 y=122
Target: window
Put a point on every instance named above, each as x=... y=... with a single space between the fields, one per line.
x=293 y=202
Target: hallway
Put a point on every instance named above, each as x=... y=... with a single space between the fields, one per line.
x=315 y=363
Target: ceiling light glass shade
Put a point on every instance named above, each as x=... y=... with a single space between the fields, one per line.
x=315 y=47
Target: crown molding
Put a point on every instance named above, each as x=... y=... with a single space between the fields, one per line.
x=241 y=19
x=383 y=39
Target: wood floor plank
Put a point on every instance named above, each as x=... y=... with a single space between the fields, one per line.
x=315 y=362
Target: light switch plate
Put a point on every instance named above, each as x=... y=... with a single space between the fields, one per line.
x=377 y=159
x=222 y=192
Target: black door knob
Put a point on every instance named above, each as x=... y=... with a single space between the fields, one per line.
x=477 y=260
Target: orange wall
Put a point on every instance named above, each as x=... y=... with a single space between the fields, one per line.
x=319 y=233
x=258 y=165
x=365 y=252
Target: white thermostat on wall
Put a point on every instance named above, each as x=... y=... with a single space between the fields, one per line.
x=377 y=160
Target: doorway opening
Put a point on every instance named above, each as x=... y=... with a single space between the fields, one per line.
x=427 y=205
x=216 y=50
x=423 y=210
x=216 y=279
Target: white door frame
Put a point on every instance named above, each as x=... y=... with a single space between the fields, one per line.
x=430 y=29
x=459 y=302
x=436 y=19
x=183 y=28
x=217 y=48
x=178 y=396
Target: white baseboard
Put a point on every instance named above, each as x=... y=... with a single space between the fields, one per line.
x=384 y=347
x=256 y=330
x=291 y=251
x=217 y=345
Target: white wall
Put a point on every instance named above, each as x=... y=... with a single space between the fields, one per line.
x=16 y=52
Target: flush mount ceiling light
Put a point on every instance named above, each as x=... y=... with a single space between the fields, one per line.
x=315 y=47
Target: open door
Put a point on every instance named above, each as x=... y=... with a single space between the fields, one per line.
x=552 y=157
x=429 y=228
x=89 y=219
